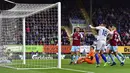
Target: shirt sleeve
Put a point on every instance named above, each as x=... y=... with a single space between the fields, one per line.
x=72 y=35
x=81 y=35
x=98 y=27
x=109 y=32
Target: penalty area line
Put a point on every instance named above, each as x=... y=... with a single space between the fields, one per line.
x=76 y=70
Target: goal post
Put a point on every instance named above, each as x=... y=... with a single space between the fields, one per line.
x=59 y=35
x=24 y=42
x=31 y=36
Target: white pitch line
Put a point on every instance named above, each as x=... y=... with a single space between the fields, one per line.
x=76 y=70
x=8 y=67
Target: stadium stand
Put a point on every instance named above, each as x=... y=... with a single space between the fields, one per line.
x=89 y=39
x=64 y=37
x=42 y=32
x=119 y=17
x=76 y=14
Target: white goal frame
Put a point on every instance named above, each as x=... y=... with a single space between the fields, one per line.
x=24 y=33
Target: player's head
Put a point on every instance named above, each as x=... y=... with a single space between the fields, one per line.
x=113 y=28
x=103 y=24
x=91 y=47
x=77 y=29
x=110 y=27
x=9 y=49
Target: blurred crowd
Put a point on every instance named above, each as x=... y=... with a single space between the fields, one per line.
x=75 y=14
x=45 y=32
x=119 y=17
x=64 y=37
x=42 y=28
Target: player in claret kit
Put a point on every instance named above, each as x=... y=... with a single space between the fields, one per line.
x=101 y=43
x=89 y=58
x=114 y=39
x=76 y=36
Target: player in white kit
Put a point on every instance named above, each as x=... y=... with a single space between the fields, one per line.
x=101 y=43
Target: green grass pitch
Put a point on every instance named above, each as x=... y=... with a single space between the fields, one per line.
x=79 y=68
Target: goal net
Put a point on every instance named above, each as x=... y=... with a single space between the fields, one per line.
x=30 y=36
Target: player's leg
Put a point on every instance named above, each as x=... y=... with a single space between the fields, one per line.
x=89 y=61
x=100 y=58
x=72 y=57
x=108 y=58
x=102 y=52
x=107 y=52
x=122 y=56
x=97 y=58
x=77 y=48
x=81 y=60
x=103 y=57
x=111 y=56
x=97 y=53
x=117 y=56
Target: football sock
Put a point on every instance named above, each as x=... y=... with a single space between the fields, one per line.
x=72 y=58
x=97 y=58
x=121 y=55
x=76 y=58
x=104 y=57
x=117 y=56
x=108 y=58
x=111 y=57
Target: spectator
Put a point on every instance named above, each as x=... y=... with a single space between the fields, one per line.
x=119 y=17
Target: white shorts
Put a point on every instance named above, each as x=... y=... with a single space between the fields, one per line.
x=75 y=48
x=113 y=48
x=107 y=48
x=101 y=45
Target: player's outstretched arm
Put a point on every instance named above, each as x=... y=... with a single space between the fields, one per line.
x=71 y=35
x=92 y=27
x=97 y=28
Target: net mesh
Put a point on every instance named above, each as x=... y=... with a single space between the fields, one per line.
x=41 y=28
x=23 y=10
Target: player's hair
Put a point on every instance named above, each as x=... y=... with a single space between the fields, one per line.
x=92 y=46
x=104 y=23
x=113 y=27
x=75 y=28
x=109 y=26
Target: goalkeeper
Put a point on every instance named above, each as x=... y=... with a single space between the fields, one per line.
x=5 y=55
x=9 y=54
x=90 y=59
